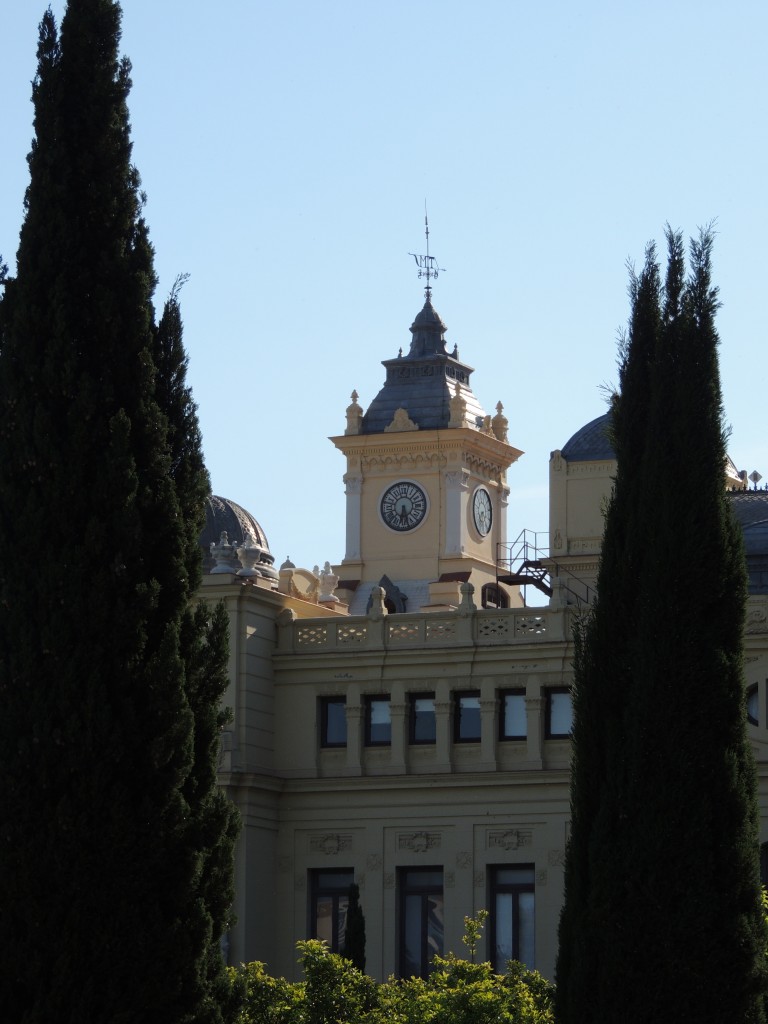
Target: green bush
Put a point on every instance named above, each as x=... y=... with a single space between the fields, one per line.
x=335 y=992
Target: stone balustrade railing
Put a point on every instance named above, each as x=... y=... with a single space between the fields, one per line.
x=460 y=628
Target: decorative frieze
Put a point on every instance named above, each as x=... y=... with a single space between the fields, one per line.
x=511 y=839
x=330 y=844
x=418 y=842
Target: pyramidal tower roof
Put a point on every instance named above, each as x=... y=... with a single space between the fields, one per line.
x=423 y=382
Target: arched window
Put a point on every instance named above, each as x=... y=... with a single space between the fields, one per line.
x=492 y=596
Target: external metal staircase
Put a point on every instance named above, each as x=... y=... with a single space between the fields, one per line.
x=526 y=562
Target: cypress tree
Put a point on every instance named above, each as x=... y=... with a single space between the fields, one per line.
x=661 y=919
x=114 y=876
x=354 y=933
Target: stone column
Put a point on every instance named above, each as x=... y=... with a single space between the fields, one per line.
x=353 y=490
x=534 y=710
x=456 y=499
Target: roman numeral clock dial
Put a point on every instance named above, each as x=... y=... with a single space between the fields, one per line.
x=403 y=506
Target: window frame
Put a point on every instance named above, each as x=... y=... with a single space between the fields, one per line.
x=408 y=886
x=370 y=700
x=491 y=591
x=336 y=894
x=324 y=704
x=518 y=691
x=753 y=690
x=412 y=738
x=458 y=696
x=515 y=889
x=550 y=692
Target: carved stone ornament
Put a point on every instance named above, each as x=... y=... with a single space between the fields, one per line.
x=419 y=842
x=557 y=461
x=327 y=583
x=354 y=416
x=500 y=423
x=249 y=554
x=330 y=844
x=458 y=407
x=374 y=862
x=512 y=839
x=401 y=422
x=463 y=859
x=757 y=619
x=224 y=553
x=556 y=858
x=557 y=541
x=389 y=880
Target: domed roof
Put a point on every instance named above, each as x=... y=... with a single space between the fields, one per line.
x=225 y=516
x=591 y=443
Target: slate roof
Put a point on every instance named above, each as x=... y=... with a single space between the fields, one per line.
x=423 y=382
x=591 y=443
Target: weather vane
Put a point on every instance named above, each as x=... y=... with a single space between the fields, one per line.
x=427 y=264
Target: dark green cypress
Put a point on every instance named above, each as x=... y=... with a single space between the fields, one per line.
x=108 y=854
x=661 y=919
x=204 y=648
x=354 y=933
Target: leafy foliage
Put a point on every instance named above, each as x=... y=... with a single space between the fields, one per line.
x=335 y=992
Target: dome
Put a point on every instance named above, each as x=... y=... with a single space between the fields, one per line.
x=223 y=515
x=591 y=443
x=750 y=508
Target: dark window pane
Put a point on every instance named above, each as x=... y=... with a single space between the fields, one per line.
x=333 y=722
x=378 y=721
x=421 y=920
x=753 y=707
x=513 y=918
x=423 y=719
x=467 y=717
x=329 y=900
x=559 y=713
x=514 y=724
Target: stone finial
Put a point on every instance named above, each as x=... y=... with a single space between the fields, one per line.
x=401 y=422
x=327 y=583
x=288 y=564
x=467 y=606
x=354 y=416
x=224 y=553
x=378 y=609
x=458 y=409
x=500 y=423
x=249 y=554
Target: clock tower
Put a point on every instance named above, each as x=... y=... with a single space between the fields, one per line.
x=425 y=482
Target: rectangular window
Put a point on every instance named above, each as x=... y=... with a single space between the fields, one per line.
x=333 y=722
x=421 y=920
x=753 y=705
x=422 y=718
x=329 y=900
x=512 y=929
x=513 y=723
x=559 y=713
x=466 y=717
x=378 y=722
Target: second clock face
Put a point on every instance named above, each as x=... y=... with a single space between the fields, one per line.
x=482 y=511
x=403 y=506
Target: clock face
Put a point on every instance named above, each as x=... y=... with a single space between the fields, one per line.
x=482 y=511
x=403 y=506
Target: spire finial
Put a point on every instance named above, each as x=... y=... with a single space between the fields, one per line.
x=427 y=264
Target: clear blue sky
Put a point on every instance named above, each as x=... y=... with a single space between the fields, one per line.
x=287 y=148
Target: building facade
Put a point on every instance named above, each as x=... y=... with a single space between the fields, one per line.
x=402 y=720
